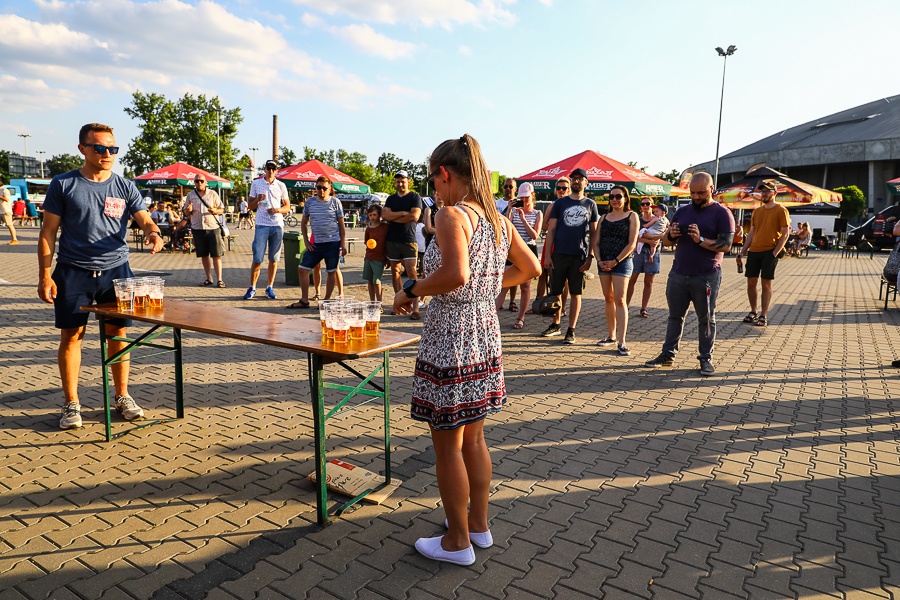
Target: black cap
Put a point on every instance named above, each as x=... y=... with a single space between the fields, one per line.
x=579 y=172
x=271 y=164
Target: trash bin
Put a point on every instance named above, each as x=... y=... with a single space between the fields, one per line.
x=352 y=220
x=293 y=252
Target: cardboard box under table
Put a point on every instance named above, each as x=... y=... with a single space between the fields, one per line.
x=294 y=333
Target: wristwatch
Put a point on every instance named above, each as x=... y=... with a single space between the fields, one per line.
x=702 y=239
x=407 y=288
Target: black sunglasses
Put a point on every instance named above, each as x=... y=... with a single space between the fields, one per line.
x=646 y=204
x=101 y=149
x=199 y=181
x=321 y=187
x=430 y=178
x=616 y=196
x=562 y=187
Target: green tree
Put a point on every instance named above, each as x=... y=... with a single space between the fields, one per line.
x=388 y=164
x=63 y=163
x=633 y=164
x=153 y=147
x=4 y=165
x=853 y=203
x=286 y=156
x=672 y=176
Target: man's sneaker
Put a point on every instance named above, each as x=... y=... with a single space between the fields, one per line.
x=660 y=361
x=570 y=336
x=623 y=350
x=71 y=416
x=128 y=408
x=706 y=368
x=552 y=330
x=251 y=293
x=270 y=293
x=607 y=341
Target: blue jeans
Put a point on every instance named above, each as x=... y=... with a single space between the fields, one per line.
x=681 y=291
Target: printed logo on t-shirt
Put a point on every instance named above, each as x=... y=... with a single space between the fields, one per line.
x=115 y=207
x=575 y=216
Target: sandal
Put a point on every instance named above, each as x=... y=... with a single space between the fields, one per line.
x=221 y=284
x=415 y=316
x=761 y=322
x=520 y=323
x=206 y=283
x=298 y=304
x=513 y=307
x=644 y=313
x=314 y=298
x=750 y=318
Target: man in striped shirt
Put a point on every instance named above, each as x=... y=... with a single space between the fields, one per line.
x=323 y=214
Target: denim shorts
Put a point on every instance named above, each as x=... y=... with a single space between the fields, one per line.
x=623 y=269
x=267 y=234
x=330 y=252
x=642 y=263
x=77 y=287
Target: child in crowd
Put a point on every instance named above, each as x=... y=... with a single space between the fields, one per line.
x=655 y=226
x=376 y=252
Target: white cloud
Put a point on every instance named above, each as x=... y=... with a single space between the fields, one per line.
x=465 y=51
x=87 y=46
x=367 y=40
x=427 y=12
x=311 y=20
x=23 y=95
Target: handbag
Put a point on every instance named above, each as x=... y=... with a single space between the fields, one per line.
x=223 y=229
x=892 y=266
x=546 y=305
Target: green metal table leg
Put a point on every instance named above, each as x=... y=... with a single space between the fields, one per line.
x=387 y=418
x=179 y=375
x=318 y=393
x=104 y=360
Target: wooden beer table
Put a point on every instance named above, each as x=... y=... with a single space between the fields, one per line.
x=294 y=333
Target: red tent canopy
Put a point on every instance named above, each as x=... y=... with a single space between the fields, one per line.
x=181 y=173
x=304 y=175
x=603 y=173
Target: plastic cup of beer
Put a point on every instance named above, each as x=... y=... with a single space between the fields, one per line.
x=373 y=318
x=141 y=293
x=157 y=292
x=340 y=321
x=326 y=310
x=124 y=294
x=357 y=312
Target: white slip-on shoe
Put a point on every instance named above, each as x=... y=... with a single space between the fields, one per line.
x=482 y=540
x=431 y=548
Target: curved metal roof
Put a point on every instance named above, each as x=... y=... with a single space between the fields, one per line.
x=878 y=120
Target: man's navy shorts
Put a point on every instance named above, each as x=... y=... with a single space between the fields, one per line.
x=77 y=287
x=330 y=252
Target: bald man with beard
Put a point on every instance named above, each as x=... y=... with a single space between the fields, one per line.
x=702 y=233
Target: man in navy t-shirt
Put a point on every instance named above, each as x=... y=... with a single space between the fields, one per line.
x=702 y=232
x=573 y=231
x=93 y=206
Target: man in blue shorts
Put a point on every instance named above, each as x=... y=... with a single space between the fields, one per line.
x=93 y=251
x=269 y=198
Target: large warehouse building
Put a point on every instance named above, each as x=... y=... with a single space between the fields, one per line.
x=859 y=146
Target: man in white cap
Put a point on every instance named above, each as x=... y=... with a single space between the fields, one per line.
x=269 y=198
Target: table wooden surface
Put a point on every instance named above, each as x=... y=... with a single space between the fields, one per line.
x=286 y=331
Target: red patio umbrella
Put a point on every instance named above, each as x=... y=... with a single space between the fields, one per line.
x=183 y=174
x=303 y=177
x=603 y=173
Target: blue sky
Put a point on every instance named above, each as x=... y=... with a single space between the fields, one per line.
x=534 y=81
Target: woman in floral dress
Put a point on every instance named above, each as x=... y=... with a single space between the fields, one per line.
x=459 y=369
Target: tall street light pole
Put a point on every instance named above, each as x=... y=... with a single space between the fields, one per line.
x=25 y=137
x=724 y=54
x=255 y=168
x=42 y=153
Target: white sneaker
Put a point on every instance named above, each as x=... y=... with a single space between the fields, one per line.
x=71 y=416
x=128 y=408
x=431 y=548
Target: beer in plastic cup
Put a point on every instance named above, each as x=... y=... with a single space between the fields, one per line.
x=340 y=322
x=373 y=318
x=357 y=320
x=124 y=294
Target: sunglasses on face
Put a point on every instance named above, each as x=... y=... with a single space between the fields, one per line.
x=616 y=196
x=646 y=204
x=562 y=187
x=199 y=181
x=508 y=187
x=321 y=187
x=101 y=149
x=430 y=178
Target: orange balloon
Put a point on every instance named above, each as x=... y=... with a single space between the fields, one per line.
x=371 y=244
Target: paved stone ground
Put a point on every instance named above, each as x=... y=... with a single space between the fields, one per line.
x=779 y=478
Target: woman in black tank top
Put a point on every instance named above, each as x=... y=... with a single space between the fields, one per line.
x=618 y=238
